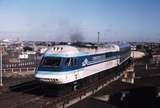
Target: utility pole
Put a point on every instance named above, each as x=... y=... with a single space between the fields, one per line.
x=1 y=83
x=98 y=37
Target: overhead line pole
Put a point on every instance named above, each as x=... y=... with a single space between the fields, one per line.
x=1 y=81
x=98 y=37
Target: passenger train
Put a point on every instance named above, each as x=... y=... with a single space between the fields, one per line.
x=63 y=64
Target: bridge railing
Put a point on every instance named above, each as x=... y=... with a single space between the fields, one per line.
x=18 y=69
x=20 y=64
x=75 y=96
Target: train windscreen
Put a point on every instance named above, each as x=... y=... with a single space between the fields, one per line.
x=50 y=62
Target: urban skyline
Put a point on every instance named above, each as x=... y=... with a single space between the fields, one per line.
x=62 y=20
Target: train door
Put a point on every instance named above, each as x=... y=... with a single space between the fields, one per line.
x=72 y=64
x=75 y=65
x=76 y=70
x=82 y=62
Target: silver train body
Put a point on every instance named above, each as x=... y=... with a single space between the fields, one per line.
x=64 y=64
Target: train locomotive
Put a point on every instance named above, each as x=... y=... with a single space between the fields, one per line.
x=63 y=64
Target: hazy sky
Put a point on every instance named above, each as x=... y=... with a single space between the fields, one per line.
x=60 y=19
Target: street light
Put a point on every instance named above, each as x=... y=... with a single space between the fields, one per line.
x=98 y=37
x=1 y=83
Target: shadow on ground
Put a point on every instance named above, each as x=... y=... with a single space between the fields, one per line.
x=142 y=97
x=39 y=89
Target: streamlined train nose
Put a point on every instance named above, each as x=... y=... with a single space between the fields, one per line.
x=47 y=78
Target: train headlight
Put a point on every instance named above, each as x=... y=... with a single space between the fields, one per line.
x=49 y=80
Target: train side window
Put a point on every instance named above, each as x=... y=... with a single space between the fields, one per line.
x=67 y=62
x=75 y=61
x=70 y=62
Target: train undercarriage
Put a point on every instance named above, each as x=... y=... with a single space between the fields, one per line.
x=61 y=89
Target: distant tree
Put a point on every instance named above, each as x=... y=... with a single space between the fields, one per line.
x=139 y=47
x=27 y=48
x=148 y=50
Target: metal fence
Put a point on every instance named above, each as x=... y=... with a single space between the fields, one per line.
x=18 y=69
x=20 y=65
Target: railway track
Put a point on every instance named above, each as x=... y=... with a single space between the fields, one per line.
x=31 y=95
x=26 y=95
x=19 y=94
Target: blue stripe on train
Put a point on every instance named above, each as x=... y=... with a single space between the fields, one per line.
x=75 y=67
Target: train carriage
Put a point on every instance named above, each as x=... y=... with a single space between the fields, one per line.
x=64 y=64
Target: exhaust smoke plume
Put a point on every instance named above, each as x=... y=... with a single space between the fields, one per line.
x=76 y=37
x=76 y=34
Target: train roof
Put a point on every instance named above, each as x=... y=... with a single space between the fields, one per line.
x=75 y=51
